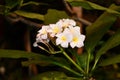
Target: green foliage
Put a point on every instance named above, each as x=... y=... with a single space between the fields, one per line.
x=111 y=43
x=81 y=66
x=54 y=75
x=33 y=3
x=17 y=54
x=110 y=61
x=30 y=15
x=96 y=31
x=89 y=5
x=53 y=16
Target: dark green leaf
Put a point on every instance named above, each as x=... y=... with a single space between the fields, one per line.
x=30 y=15
x=18 y=54
x=12 y=4
x=110 y=61
x=53 y=16
x=80 y=59
x=96 y=31
x=37 y=62
x=51 y=75
x=54 y=75
x=34 y=3
x=46 y=60
x=89 y=5
x=111 y=43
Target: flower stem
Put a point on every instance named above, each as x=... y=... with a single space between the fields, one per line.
x=88 y=63
x=66 y=55
x=69 y=69
x=96 y=61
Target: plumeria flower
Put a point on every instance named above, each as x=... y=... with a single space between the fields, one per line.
x=75 y=30
x=66 y=22
x=54 y=29
x=78 y=38
x=64 y=38
x=43 y=34
x=65 y=32
x=77 y=41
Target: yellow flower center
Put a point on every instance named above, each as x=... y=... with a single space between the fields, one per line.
x=75 y=39
x=56 y=30
x=63 y=38
x=43 y=32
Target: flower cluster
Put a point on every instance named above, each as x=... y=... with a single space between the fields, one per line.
x=65 y=32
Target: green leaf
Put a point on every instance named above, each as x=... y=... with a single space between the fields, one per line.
x=111 y=43
x=54 y=75
x=96 y=31
x=46 y=60
x=89 y=5
x=37 y=62
x=30 y=55
x=80 y=59
x=34 y=3
x=50 y=75
x=110 y=61
x=36 y=58
x=52 y=60
x=4 y=53
x=30 y=15
x=12 y=3
x=53 y=16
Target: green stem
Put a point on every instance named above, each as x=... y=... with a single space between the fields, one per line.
x=72 y=61
x=88 y=63
x=69 y=69
x=96 y=61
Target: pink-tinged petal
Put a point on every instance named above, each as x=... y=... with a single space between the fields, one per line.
x=80 y=44
x=65 y=44
x=58 y=41
x=82 y=37
x=72 y=45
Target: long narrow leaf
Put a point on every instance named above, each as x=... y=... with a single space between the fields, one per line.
x=111 y=43
x=4 y=53
x=89 y=5
x=96 y=31
x=34 y=3
x=53 y=16
x=59 y=62
x=30 y=15
x=39 y=58
x=110 y=61
x=80 y=59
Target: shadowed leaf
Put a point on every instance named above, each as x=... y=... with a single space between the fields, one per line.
x=89 y=5
x=110 y=61
x=111 y=43
x=53 y=16
x=30 y=15
x=96 y=31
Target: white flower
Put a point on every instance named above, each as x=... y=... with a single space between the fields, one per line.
x=66 y=22
x=77 y=41
x=43 y=34
x=64 y=38
x=54 y=29
x=64 y=31
x=75 y=30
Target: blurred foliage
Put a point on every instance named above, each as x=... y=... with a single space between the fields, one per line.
x=20 y=20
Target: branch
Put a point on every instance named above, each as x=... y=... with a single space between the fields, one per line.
x=70 y=12
x=13 y=18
